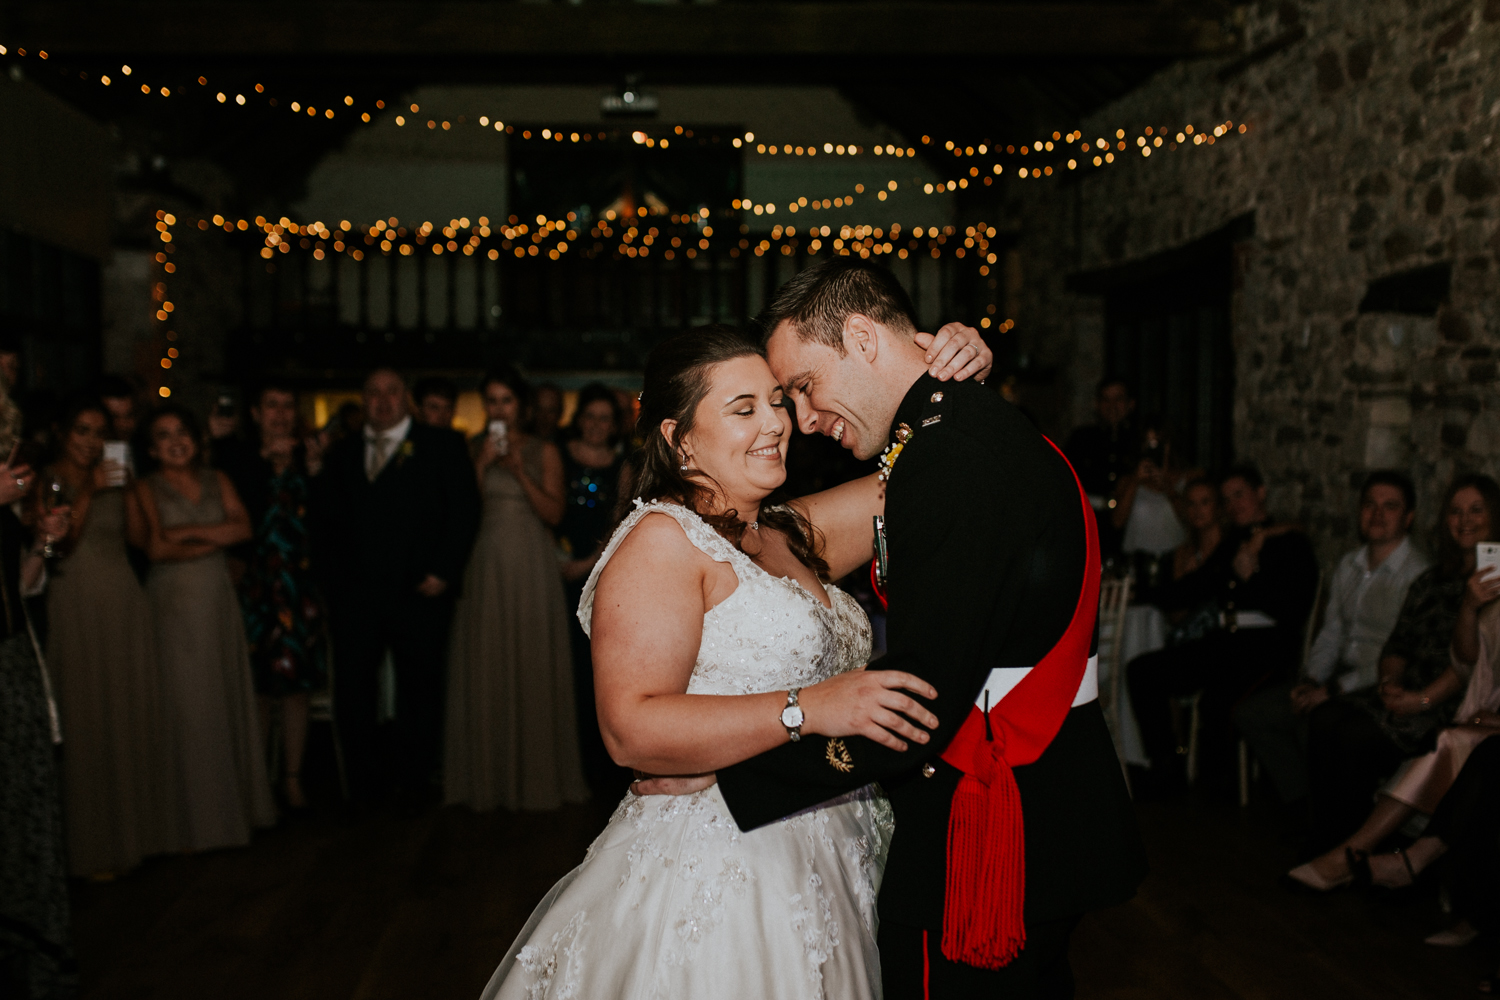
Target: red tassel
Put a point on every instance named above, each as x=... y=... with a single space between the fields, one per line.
x=983 y=919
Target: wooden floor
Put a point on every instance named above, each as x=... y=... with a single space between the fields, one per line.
x=384 y=907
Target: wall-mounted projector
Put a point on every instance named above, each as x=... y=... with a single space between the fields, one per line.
x=629 y=102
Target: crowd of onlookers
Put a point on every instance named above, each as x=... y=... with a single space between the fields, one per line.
x=1365 y=694
x=179 y=599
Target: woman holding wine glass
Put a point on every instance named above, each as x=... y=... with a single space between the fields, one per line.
x=120 y=788
x=188 y=516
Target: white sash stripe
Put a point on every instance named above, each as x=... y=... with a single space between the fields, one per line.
x=1002 y=681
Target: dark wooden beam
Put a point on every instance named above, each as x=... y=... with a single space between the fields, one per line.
x=863 y=31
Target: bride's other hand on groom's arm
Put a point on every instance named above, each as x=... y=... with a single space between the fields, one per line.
x=956 y=352
x=861 y=702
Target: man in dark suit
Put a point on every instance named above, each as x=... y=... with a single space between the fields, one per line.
x=989 y=551
x=398 y=508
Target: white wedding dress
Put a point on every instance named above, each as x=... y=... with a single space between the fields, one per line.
x=673 y=900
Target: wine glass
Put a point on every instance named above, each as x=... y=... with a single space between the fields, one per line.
x=52 y=498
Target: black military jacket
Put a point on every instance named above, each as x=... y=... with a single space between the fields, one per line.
x=987 y=543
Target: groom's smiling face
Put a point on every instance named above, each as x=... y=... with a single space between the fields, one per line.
x=832 y=391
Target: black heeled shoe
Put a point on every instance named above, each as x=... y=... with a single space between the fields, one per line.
x=1359 y=867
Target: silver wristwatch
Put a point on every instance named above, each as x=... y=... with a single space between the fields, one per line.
x=791 y=716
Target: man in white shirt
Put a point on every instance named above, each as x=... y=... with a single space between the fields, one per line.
x=1364 y=600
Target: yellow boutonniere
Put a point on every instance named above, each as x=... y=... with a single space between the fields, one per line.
x=407 y=449
x=893 y=452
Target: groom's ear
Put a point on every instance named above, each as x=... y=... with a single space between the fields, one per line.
x=861 y=338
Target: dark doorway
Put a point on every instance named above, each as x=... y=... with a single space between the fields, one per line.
x=1167 y=333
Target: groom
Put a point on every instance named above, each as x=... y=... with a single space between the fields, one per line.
x=1009 y=824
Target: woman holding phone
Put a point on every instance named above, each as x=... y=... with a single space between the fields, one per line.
x=512 y=735
x=120 y=788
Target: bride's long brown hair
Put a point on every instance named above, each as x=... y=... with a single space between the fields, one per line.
x=679 y=373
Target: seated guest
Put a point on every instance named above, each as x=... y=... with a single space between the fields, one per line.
x=1465 y=827
x=186 y=516
x=1203 y=557
x=1353 y=746
x=437 y=401
x=1265 y=596
x=1364 y=602
x=1146 y=500
x=1102 y=453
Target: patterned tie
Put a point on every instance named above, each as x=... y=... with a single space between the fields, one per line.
x=378 y=454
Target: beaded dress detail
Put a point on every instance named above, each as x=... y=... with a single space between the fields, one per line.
x=672 y=900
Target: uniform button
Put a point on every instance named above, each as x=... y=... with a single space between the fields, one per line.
x=928 y=770
x=937 y=397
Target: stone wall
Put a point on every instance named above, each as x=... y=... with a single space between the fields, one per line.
x=1370 y=149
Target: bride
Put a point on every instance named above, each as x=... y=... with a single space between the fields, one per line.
x=709 y=610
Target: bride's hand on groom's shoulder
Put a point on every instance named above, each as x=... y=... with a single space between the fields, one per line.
x=956 y=352
x=682 y=784
x=870 y=703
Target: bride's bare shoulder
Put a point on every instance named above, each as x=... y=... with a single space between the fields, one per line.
x=657 y=545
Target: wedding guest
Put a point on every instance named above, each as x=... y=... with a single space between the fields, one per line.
x=396 y=510
x=1265 y=598
x=630 y=408
x=546 y=412
x=1189 y=596
x=437 y=401
x=512 y=733
x=188 y=515
x=1465 y=828
x=285 y=619
x=1365 y=599
x=118 y=397
x=591 y=470
x=1103 y=452
x=36 y=951
x=121 y=788
x=1350 y=753
x=1146 y=499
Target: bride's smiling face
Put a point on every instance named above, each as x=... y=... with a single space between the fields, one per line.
x=740 y=430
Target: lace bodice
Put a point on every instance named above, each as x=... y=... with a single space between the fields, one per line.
x=770 y=634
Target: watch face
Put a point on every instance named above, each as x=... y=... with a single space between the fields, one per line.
x=791 y=716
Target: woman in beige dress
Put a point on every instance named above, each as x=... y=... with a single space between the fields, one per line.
x=512 y=735
x=120 y=785
x=190 y=515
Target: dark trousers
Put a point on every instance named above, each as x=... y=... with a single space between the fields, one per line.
x=415 y=631
x=1468 y=821
x=912 y=966
x=1225 y=666
x=1348 y=756
x=1278 y=737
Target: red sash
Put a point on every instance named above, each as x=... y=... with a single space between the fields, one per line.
x=983 y=916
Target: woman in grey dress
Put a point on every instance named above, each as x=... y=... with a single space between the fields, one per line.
x=191 y=514
x=511 y=731
x=120 y=781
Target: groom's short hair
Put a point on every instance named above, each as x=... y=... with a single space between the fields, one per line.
x=818 y=301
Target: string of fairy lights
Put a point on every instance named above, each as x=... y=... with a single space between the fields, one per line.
x=668 y=236
x=651 y=230
x=1098 y=152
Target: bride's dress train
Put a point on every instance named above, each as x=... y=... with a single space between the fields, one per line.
x=672 y=900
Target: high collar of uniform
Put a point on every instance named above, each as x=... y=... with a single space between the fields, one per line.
x=918 y=396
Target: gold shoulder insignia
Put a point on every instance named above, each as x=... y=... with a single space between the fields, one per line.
x=838 y=756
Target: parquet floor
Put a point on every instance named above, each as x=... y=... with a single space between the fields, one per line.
x=329 y=908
